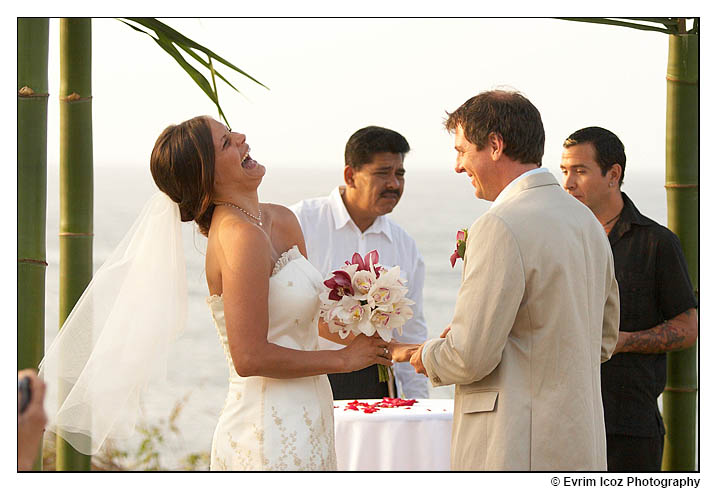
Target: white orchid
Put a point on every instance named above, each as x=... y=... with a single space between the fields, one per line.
x=362 y=282
x=346 y=315
x=386 y=290
x=366 y=298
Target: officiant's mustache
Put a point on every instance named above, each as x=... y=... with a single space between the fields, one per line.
x=390 y=193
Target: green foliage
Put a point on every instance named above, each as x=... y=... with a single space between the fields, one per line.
x=146 y=455
x=170 y=40
x=461 y=249
x=666 y=25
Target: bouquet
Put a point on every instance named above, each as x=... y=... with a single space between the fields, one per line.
x=363 y=297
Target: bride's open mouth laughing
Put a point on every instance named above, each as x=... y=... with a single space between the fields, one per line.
x=248 y=162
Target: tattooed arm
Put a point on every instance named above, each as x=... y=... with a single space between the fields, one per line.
x=672 y=335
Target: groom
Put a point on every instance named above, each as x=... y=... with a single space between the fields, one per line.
x=537 y=311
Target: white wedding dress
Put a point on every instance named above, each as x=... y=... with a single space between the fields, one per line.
x=278 y=424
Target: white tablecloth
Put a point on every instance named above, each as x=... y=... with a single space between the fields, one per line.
x=416 y=438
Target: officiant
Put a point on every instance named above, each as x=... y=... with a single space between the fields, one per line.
x=352 y=218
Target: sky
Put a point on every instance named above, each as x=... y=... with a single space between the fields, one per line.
x=329 y=77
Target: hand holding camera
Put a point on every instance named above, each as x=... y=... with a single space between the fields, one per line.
x=31 y=418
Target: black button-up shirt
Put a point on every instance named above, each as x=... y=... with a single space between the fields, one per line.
x=654 y=286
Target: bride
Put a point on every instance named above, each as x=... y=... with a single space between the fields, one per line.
x=278 y=414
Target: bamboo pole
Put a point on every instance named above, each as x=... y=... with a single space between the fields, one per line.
x=76 y=192
x=32 y=49
x=679 y=397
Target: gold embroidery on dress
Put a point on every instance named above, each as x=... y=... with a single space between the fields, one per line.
x=288 y=444
x=314 y=441
x=242 y=456
x=216 y=463
x=262 y=392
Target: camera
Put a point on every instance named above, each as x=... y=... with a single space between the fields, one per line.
x=23 y=388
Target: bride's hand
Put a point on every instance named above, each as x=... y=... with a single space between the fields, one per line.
x=365 y=351
x=402 y=351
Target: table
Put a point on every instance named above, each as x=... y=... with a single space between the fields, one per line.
x=415 y=438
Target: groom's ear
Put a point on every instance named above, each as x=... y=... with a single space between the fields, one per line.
x=349 y=176
x=496 y=144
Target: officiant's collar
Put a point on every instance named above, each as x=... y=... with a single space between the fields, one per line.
x=343 y=219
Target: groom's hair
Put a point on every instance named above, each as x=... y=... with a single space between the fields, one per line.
x=505 y=113
x=607 y=146
x=366 y=142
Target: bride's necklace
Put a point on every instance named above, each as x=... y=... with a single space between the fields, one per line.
x=257 y=219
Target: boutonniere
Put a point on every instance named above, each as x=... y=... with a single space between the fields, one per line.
x=461 y=237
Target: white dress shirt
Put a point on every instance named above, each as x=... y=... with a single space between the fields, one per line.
x=332 y=237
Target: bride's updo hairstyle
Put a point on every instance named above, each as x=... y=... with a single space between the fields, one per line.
x=182 y=165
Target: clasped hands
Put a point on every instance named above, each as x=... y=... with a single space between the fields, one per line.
x=411 y=352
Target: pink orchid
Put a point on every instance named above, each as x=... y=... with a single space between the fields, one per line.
x=371 y=259
x=453 y=258
x=340 y=284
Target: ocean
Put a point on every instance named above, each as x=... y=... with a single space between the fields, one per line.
x=434 y=206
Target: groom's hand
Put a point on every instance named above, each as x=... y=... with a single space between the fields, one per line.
x=416 y=361
x=401 y=352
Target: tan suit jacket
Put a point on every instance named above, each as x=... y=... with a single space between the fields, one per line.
x=536 y=315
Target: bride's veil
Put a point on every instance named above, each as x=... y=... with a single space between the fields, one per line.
x=117 y=338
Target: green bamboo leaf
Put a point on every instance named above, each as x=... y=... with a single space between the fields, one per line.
x=181 y=39
x=191 y=71
x=134 y=27
x=169 y=40
x=207 y=65
x=199 y=79
x=613 y=22
x=168 y=47
x=178 y=38
x=214 y=80
x=188 y=49
x=666 y=21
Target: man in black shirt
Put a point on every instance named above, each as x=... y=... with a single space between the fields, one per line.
x=658 y=308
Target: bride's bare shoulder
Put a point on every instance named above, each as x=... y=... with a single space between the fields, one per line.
x=279 y=212
x=236 y=241
x=283 y=217
x=286 y=223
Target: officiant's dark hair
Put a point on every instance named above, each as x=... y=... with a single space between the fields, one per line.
x=366 y=142
x=182 y=165
x=506 y=113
